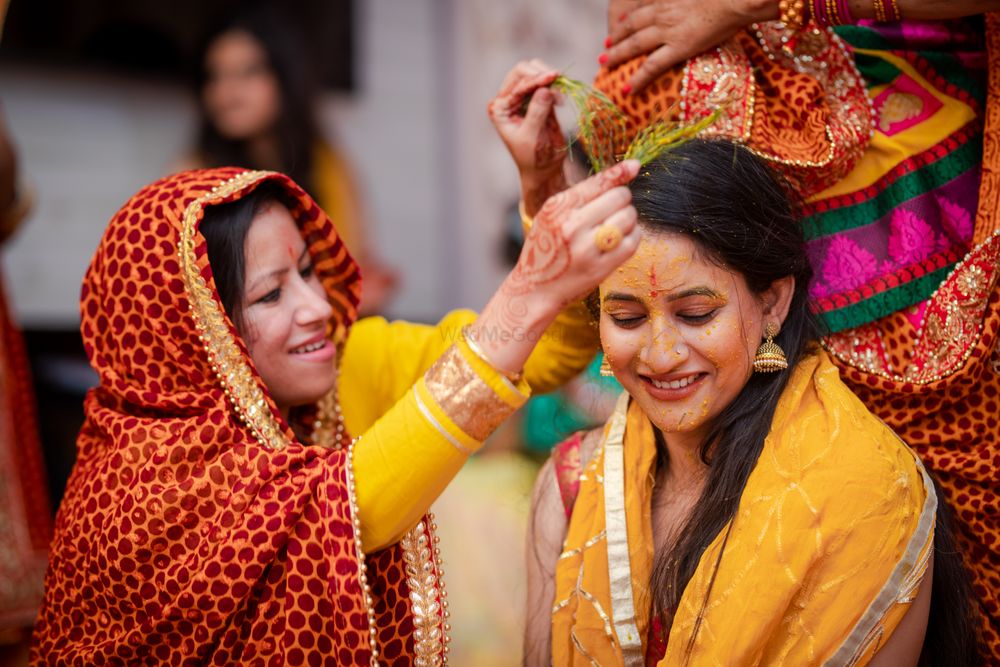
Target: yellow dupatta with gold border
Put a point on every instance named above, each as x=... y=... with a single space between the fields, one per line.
x=828 y=547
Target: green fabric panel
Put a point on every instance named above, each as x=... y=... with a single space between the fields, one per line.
x=965 y=157
x=875 y=70
x=956 y=73
x=884 y=303
x=862 y=38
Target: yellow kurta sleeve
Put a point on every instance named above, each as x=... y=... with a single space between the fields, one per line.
x=382 y=360
x=564 y=351
x=405 y=460
x=423 y=402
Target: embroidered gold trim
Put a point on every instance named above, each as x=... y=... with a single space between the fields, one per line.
x=908 y=591
x=952 y=326
x=586 y=545
x=464 y=396
x=230 y=366
x=579 y=647
x=619 y=562
x=324 y=431
x=873 y=641
x=366 y=589
x=426 y=597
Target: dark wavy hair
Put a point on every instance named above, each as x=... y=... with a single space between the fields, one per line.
x=296 y=129
x=225 y=228
x=741 y=215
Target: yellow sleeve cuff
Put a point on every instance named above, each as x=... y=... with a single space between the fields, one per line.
x=403 y=462
x=466 y=398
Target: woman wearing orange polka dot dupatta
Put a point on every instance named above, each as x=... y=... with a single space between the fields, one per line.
x=214 y=516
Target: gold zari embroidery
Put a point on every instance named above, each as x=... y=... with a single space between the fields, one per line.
x=459 y=391
x=423 y=578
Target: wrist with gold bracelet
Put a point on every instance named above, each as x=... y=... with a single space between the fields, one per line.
x=478 y=351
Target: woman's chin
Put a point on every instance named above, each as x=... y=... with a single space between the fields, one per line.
x=308 y=395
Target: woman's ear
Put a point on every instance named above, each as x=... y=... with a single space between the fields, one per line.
x=777 y=298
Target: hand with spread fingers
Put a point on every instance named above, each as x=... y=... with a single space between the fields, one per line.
x=672 y=31
x=523 y=113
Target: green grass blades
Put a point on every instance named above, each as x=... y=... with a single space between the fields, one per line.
x=602 y=127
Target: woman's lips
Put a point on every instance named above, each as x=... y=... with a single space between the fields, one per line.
x=673 y=390
x=322 y=350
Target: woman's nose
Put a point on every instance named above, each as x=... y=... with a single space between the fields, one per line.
x=664 y=350
x=313 y=305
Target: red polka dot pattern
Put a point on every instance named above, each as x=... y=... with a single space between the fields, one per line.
x=181 y=539
x=953 y=423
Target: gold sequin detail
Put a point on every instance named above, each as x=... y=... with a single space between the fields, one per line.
x=459 y=391
x=366 y=588
x=950 y=331
x=423 y=578
x=241 y=385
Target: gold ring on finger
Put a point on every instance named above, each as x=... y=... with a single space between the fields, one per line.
x=607 y=237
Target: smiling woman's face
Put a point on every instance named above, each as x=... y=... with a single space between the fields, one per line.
x=286 y=312
x=680 y=332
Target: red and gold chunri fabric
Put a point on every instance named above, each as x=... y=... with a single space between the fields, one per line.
x=196 y=528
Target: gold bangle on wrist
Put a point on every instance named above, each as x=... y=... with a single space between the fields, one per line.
x=478 y=351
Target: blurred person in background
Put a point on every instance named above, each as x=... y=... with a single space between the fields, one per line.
x=257 y=95
x=25 y=516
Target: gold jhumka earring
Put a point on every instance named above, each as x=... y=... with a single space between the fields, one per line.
x=770 y=357
x=606 y=368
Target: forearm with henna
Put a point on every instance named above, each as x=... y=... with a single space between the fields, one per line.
x=547 y=276
x=547 y=180
x=526 y=302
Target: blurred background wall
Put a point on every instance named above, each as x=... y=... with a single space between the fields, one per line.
x=412 y=117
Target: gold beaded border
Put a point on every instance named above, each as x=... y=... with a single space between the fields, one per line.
x=428 y=599
x=366 y=589
x=228 y=363
x=813 y=66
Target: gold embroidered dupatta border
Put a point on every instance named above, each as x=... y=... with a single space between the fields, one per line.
x=252 y=406
x=619 y=565
x=228 y=362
